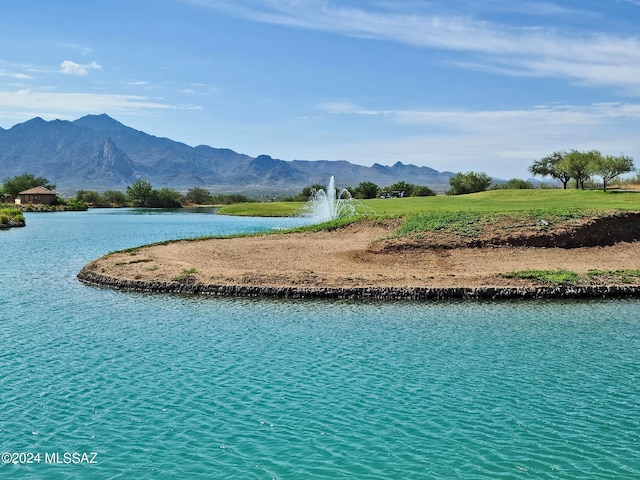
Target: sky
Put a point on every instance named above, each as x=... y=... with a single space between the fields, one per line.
x=456 y=85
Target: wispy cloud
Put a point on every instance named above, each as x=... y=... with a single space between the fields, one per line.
x=17 y=76
x=632 y=2
x=71 y=68
x=596 y=59
x=502 y=142
x=55 y=104
x=463 y=120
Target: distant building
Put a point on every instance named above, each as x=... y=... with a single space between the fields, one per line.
x=6 y=198
x=37 y=195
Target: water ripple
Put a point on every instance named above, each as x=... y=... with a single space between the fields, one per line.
x=174 y=387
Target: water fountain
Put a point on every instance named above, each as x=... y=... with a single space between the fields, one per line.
x=330 y=204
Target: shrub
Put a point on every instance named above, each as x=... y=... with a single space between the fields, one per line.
x=422 y=191
x=470 y=182
x=514 y=184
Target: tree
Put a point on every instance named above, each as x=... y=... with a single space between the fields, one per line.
x=307 y=192
x=367 y=190
x=423 y=191
x=402 y=186
x=13 y=186
x=165 y=198
x=114 y=197
x=514 y=184
x=198 y=196
x=580 y=165
x=609 y=167
x=88 y=196
x=470 y=182
x=140 y=193
x=550 y=166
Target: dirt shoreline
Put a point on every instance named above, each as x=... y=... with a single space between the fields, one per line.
x=358 y=261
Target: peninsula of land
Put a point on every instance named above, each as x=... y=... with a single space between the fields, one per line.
x=366 y=260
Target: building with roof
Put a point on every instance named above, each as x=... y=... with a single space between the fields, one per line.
x=37 y=195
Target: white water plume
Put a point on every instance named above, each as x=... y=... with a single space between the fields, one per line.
x=330 y=204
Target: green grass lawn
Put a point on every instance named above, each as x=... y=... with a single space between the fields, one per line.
x=491 y=201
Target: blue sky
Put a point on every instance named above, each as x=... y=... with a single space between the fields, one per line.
x=484 y=85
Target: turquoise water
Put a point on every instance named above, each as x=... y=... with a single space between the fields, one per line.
x=176 y=387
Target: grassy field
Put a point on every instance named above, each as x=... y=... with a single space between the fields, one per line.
x=492 y=201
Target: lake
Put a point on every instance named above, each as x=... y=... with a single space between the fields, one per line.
x=96 y=383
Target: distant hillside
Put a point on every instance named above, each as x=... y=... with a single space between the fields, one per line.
x=97 y=152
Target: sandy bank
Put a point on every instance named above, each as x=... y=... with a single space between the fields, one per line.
x=353 y=262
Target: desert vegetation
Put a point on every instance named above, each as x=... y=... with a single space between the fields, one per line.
x=581 y=167
x=142 y=194
x=11 y=217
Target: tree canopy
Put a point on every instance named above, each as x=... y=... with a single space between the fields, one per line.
x=367 y=190
x=139 y=194
x=198 y=196
x=609 y=167
x=470 y=182
x=13 y=186
x=549 y=167
x=142 y=194
x=580 y=166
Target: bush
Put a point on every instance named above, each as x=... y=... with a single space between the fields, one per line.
x=89 y=197
x=198 y=196
x=9 y=216
x=514 y=184
x=165 y=198
x=76 y=205
x=114 y=198
x=470 y=182
x=366 y=190
x=230 y=198
x=422 y=191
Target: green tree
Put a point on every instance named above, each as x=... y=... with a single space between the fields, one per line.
x=367 y=190
x=423 y=191
x=550 y=166
x=309 y=191
x=402 y=186
x=115 y=198
x=89 y=197
x=140 y=193
x=164 y=198
x=198 y=196
x=13 y=186
x=609 y=167
x=470 y=182
x=515 y=184
x=580 y=165
x=229 y=198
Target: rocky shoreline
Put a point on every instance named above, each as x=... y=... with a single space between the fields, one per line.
x=92 y=278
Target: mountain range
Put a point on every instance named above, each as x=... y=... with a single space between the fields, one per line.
x=96 y=152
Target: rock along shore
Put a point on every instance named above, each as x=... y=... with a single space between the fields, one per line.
x=89 y=277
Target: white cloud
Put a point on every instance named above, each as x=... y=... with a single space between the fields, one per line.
x=589 y=58
x=17 y=76
x=71 y=68
x=54 y=104
x=501 y=142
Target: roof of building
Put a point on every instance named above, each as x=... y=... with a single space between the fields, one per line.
x=37 y=191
